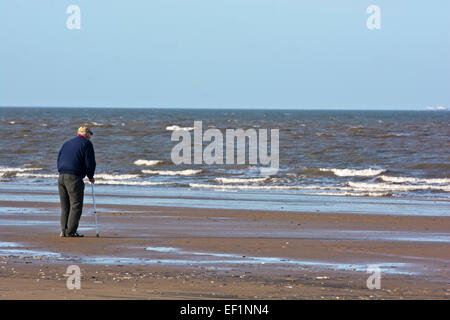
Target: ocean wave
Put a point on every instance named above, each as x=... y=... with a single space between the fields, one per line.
x=12 y=172
x=142 y=162
x=414 y=180
x=266 y=187
x=131 y=183
x=395 y=187
x=355 y=194
x=113 y=177
x=356 y=128
x=188 y=172
x=3 y=170
x=93 y=124
x=116 y=176
x=354 y=172
x=102 y=176
x=18 y=122
x=351 y=187
x=249 y=187
x=36 y=175
x=311 y=189
x=241 y=180
x=175 y=127
x=395 y=135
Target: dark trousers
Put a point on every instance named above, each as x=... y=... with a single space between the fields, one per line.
x=71 y=194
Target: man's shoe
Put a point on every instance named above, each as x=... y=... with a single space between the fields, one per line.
x=76 y=235
x=62 y=234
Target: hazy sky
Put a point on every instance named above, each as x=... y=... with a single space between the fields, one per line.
x=225 y=53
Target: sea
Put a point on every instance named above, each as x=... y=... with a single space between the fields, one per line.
x=329 y=154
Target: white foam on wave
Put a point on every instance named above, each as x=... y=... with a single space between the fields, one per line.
x=131 y=183
x=4 y=170
x=93 y=123
x=36 y=175
x=241 y=180
x=413 y=180
x=103 y=176
x=188 y=172
x=352 y=188
x=116 y=176
x=142 y=162
x=313 y=190
x=355 y=194
x=175 y=127
x=354 y=172
x=377 y=187
x=221 y=186
x=253 y=187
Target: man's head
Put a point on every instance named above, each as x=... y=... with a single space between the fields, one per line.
x=85 y=132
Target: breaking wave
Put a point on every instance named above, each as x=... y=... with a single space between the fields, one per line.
x=355 y=194
x=148 y=163
x=349 y=189
x=413 y=180
x=221 y=186
x=396 y=187
x=105 y=176
x=132 y=183
x=12 y=172
x=241 y=180
x=102 y=176
x=354 y=172
x=36 y=175
x=188 y=172
x=175 y=127
x=3 y=170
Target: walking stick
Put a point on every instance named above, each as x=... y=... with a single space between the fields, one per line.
x=95 y=210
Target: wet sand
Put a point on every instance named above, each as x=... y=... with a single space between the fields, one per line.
x=148 y=252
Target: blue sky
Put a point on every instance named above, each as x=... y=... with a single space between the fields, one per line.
x=225 y=53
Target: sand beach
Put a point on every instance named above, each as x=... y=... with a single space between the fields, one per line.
x=161 y=252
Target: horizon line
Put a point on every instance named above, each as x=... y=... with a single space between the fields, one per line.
x=384 y=108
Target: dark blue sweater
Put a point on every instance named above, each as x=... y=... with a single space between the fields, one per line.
x=77 y=157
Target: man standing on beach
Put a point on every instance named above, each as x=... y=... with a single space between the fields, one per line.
x=76 y=160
